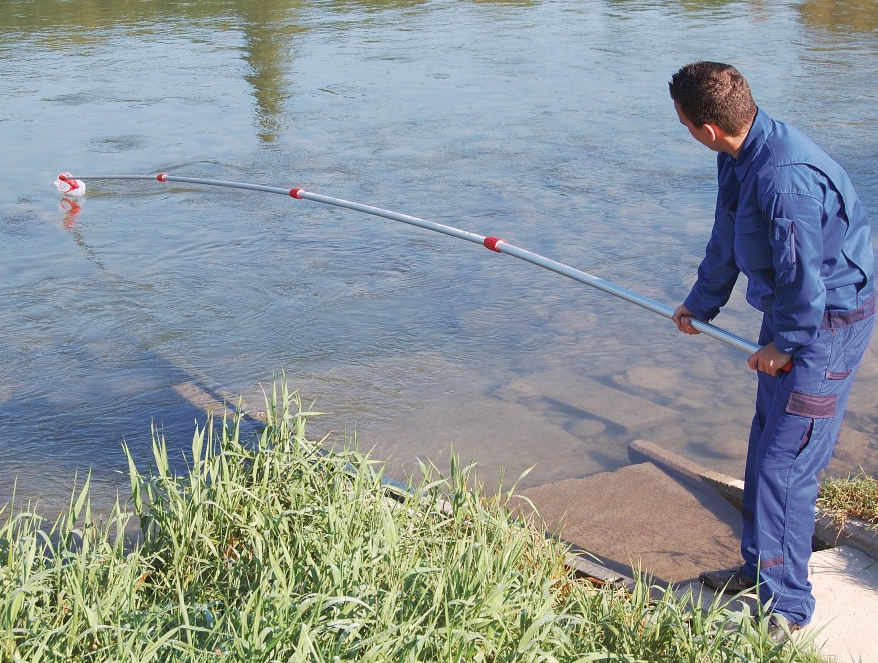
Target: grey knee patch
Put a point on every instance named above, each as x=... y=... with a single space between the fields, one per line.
x=811 y=405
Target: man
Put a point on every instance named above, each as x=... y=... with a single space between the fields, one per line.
x=787 y=216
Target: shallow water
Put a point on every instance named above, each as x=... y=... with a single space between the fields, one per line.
x=546 y=123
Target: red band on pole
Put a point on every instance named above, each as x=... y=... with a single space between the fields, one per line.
x=294 y=193
x=162 y=177
x=492 y=243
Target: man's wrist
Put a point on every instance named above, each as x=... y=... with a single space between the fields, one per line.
x=785 y=347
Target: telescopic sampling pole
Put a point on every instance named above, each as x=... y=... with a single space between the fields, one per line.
x=70 y=185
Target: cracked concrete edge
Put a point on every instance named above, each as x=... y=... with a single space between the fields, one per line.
x=834 y=531
x=829 y=530
x=596 y=572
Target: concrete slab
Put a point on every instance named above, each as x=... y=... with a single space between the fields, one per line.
x=846 y=588
x=209 y=403
x=593 y=399
x=521 y=438
x=639 y=516
x=845 y=584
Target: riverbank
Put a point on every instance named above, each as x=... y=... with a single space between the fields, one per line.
x=274 y=548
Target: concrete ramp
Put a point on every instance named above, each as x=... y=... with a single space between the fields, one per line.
x=639 y=516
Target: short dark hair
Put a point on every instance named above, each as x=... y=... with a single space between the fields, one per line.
x=715 y=93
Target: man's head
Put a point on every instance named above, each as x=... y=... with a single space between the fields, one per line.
x=714 y=103
x=714 y=93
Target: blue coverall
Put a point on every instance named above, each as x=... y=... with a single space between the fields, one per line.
x=787 y=216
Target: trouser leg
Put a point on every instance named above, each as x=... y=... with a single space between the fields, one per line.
x=765 y=390
x=798 y=417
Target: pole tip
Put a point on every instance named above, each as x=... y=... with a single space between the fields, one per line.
x=69 y=185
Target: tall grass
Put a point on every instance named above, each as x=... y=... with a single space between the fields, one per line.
x=271 y=549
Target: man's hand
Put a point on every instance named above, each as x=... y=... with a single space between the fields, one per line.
x=683 y=319
x=769 y=359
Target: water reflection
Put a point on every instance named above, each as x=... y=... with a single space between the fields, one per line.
x=686 y=5
x=372 y=5
x=269 y=29
x=88 y=20
x=510 y=3
x=270 y=32
x=841 y=16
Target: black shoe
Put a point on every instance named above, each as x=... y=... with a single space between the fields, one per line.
x=780 y=628
x=729 y=580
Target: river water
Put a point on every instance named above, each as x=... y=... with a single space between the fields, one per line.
x=545 y=123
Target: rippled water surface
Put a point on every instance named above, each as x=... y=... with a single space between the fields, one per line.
x=546 y=123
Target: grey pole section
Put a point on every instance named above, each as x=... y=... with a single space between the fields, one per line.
x=628 y=295
x=493 y=243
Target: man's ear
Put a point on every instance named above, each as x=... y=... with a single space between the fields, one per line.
x=712 y=131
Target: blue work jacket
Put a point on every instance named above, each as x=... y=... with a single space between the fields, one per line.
x=787 y=216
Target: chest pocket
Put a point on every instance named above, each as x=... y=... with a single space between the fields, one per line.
x=752 y=244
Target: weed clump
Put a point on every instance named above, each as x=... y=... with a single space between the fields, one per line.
x=855 y=496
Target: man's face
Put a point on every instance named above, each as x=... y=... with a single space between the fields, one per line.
x=702 y=134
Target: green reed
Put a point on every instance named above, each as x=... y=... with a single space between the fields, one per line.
x=272 y=549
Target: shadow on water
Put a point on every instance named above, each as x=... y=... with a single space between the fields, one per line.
x=117 y=391
x=115 y=401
